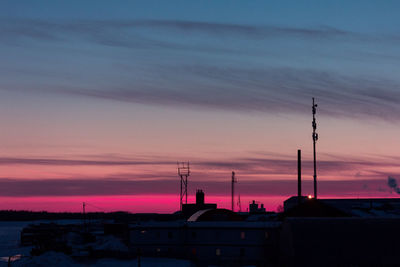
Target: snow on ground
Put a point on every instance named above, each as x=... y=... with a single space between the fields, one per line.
x=9 y=246
x=145 y=262
x=10 y=235
x=61 y=260
x=110 y=243
x=46 y=259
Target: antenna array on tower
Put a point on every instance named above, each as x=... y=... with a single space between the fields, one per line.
x=183 y=172
x=315 y=138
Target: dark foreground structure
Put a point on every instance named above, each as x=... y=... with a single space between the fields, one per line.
x=310 y=232
x=209 y=243
x=340 y=232
x=339 y=242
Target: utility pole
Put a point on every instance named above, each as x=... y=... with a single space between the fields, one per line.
x=84 y=215
x=233 y=189
x=315 y=138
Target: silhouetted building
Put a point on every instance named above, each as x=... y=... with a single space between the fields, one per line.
x=253 y=208
x=340 y=232
x=190 y=209
x=313 y=208
x=222 y=243
x=339 y=242
x=215 y=215
x=354 y=207
x=293 y=202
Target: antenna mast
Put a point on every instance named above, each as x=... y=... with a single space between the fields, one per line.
x=84 y=214
x=239 y=204
x=233 y=190
x=183 y=172
x=315 y=138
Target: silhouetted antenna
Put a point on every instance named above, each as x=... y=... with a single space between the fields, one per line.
x=315 y=138
x=84 y=214
x=183 y=172
x=233 y=190
x=239 y=204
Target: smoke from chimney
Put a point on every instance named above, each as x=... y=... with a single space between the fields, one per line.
x=392 y=183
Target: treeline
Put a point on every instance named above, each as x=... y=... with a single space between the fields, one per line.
x=14 y=215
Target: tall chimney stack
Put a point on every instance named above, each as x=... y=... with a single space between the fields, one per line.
x=233 y=190
x=299 y=175
x=199 y=197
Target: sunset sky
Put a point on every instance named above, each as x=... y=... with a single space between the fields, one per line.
x=100 y=99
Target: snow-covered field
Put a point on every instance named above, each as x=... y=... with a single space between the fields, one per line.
x=9 y=246
x=10 y=237
x=61 y=260
x=9 y=240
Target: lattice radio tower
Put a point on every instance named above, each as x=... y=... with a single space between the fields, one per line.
x=239 y=204
x=183 y=172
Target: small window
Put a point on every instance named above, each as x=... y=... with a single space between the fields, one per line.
x=218 y=252
x=158 y=250
x=242 y=235
x=194 y=234
x=158 y=235
x=266 y=235
x=143 y=232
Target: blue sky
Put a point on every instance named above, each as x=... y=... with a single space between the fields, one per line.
x=344 y=42
x=360 y=15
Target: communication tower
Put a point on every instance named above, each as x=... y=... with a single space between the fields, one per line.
x=315 y=138
x=183 y=172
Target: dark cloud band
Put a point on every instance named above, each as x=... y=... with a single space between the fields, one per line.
x=99 y=187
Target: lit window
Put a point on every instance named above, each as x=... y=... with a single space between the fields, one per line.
x=158 y=249
x=243 y=235
x=218 y=252
x=143 y=231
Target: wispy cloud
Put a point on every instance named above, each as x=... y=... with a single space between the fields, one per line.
x=250 y=167
x=214 y=85
x=155 y=34
x=75 y=162
x=243 y=163
x=109 y=32
x=113 y=186
x=258 y=174
x=281 y=90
